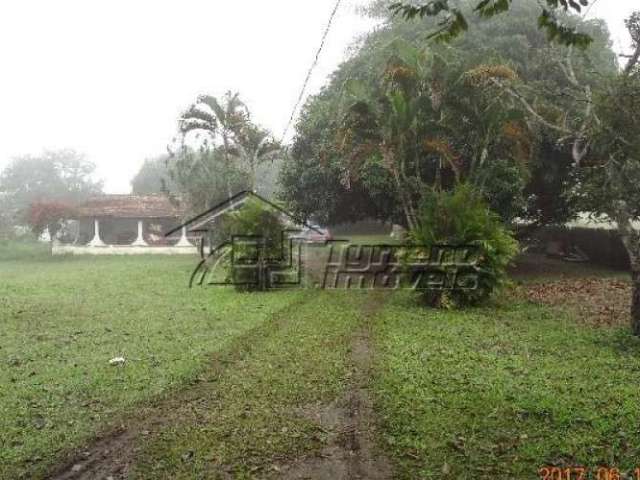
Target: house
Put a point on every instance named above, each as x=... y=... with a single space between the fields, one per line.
x=276 y=271
x=204 y=224
x=125 y=225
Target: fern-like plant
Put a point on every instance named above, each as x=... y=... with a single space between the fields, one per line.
x=462 y=218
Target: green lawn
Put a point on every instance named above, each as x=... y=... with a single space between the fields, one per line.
x=251 y=416
x=229 y=378
x=501 y=392
x=379 y=239
x=63 y=319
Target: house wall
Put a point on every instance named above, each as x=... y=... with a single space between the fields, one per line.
x=603 y=247
x=119 y=234
x=58 y=249
x=118 y=231
x=124 y=231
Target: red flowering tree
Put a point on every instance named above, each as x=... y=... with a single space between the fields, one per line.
x=50 y=215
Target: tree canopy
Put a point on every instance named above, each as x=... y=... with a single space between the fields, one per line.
x=61 y=175
x=220 y=152
x=453 y=19
x=453 y=116
x=153 y=177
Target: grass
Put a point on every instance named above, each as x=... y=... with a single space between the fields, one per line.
x=372 y=239
x=495 y=392
x=251 y=416
x=63 y=319
x=24 y=250
x=501 y=392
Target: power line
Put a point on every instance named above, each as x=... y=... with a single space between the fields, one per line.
x=586 y=13
x=311 y=69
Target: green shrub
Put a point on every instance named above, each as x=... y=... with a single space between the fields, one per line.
x=462 y=217
x=249 y=266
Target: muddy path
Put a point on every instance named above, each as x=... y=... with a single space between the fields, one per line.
x=350 y=422
x=112 y=454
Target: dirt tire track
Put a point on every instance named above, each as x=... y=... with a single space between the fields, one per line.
x=112 y=454
x=351 y=451
x=108 y=458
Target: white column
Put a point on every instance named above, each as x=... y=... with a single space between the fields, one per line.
x=184 y=242
x=96 y=242
x=140 y=240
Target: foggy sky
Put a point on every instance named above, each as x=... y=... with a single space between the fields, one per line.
x=110 y=78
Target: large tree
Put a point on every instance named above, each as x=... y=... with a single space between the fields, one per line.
x=201 y=178
x=430 y=128
x=610 y=166
x=314 y=181
x=449 y=108
x=61 y=175
x=602 y=133
x=49 y=216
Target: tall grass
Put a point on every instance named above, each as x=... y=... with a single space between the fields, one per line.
x=24 y=250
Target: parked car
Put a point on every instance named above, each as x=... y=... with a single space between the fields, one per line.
x=315 y=234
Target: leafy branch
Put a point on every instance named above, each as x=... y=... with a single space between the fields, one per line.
x=453 y=22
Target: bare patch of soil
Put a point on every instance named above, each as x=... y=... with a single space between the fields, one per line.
x=535 y=266
x=596 y=301
x=350 y=451
x=110 y=457
x=598 y=296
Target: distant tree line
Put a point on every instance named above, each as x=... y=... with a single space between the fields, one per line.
x=50 y=182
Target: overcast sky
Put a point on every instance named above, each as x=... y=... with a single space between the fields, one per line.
x=110 y=78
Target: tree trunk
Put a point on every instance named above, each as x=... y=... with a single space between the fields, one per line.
x=404 y=201
x=225 y=143
x=253 y=175
x=631 y=239
x=635 y=300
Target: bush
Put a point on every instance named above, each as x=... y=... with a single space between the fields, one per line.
x=48 y=215
x=462 y=217
x=249 y=271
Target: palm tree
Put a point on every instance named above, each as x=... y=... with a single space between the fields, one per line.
x=254 y=146
x=387 y=128
x=227 y=126
x=220 y=122
x=416 y=124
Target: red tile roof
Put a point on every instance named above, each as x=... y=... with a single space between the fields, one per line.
x=129 y=206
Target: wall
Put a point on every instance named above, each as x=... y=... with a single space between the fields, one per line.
x=602 y=246
x=122 y=250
